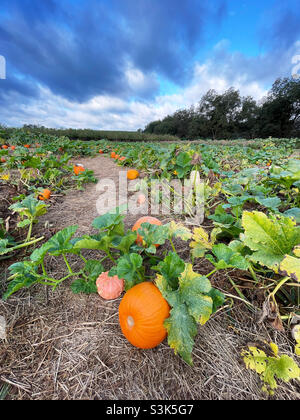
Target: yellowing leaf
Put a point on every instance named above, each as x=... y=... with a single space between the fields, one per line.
x=270 y=368
x=192 y=301
x=181 y=328
x=194 y=289
x=5 y=177
x=297 y=251
x=179 y=230
x=255 y=359
x=296 y=335
x=201 y=242
x=274 y=348
x=290 y=266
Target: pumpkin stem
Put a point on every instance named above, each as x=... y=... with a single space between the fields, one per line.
x=68 y=265
x=130 y=321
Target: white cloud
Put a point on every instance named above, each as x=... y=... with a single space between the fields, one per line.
x=224 y=69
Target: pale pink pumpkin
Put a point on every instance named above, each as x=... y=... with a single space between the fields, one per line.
x=109 y=287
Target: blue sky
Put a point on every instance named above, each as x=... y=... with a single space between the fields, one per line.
x=119 y=64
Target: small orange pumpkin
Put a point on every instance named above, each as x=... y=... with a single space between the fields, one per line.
x=45 y=195
x=113 y=155
x=132 y=174
x=27 y=146
x=122 y=158
x=77 y=169
x=3 y=160
x=139 y=222
x=109 y=287
x=101 y=151
x=13 y=147
x=4 y=146
x=142 y=312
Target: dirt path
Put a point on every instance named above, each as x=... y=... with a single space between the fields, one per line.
x=82 y=207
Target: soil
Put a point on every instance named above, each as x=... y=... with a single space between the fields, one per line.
x=62 y=346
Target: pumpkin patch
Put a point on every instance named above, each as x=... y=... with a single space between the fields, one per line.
x=150 y=280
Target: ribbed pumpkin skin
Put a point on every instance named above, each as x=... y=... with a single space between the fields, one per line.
x=140 y=221
x=109 y=287
x=142 y=312
x=132 y=174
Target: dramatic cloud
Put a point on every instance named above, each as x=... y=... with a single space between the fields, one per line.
x=120 y=64
x=80 y=49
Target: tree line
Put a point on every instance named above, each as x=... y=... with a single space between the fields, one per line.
x=231 y=116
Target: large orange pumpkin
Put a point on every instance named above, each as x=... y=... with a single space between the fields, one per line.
x=142 y=312
x=132 y=174
x=138 y=223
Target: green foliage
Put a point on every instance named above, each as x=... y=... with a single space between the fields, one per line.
x=192 y=301
x=270 y=238
x=228 y=115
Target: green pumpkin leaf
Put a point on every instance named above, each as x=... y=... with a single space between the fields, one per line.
x=271 y=238
x=294 y=213
x=171 y=267
x=153 y=235
x=38 y=254
x=112 y=222
x=4 y=246
x=101 y=243
x=129 y=268
x=226 y=257
x=192 y=302
x=93 y=269
x=25 y=276
x=80 y=285
x=61 y=243
x=30 y=207
x=194 y=290
x=182 y=329
x=123 y=243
